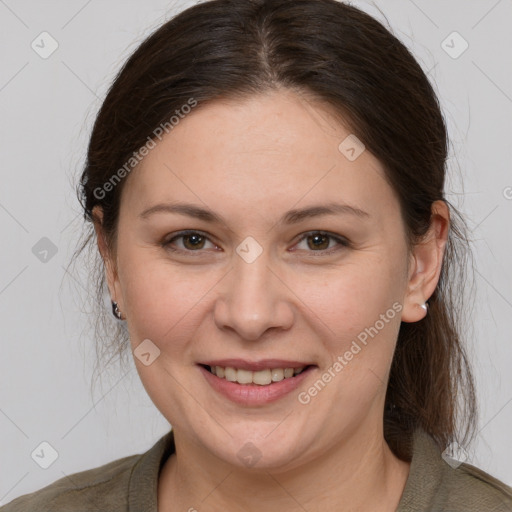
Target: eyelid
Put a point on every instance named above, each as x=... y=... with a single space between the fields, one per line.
x=166 y=243
x=342 y=241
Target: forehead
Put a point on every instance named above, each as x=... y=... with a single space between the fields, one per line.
x=269 y=152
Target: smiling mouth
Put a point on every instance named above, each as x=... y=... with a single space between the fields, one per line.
x=260 y=378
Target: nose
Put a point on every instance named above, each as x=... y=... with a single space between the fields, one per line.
x=253 y=299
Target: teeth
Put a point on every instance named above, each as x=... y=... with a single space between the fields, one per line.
x=244 y=377
x=230 y=374
x=261 y=377
x=277 y=374
x=288 y=372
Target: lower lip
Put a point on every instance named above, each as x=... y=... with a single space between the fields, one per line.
x=254 y=394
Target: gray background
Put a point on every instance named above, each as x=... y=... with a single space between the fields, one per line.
x=47 y=107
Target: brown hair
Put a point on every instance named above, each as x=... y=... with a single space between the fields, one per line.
x=343 y=57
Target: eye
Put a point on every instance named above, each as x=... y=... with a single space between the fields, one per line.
x=196 y=241
x=191 y=241
x=320 y=241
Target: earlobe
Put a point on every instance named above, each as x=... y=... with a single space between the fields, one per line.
x=426 y=264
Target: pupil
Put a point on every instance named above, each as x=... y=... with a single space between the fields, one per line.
x=193 y=240
x=319 y=241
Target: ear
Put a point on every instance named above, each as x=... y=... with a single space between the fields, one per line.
x=426 y=263
x=107 y=257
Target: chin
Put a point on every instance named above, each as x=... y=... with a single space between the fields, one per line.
x=262 y=449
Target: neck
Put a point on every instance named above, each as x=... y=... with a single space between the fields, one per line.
x=358 y=473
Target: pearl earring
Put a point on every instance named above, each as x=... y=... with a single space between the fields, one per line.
x=424 y=306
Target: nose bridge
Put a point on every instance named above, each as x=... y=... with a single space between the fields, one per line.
x=252 y=300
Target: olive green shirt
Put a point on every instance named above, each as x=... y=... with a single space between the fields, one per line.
x=130 y=484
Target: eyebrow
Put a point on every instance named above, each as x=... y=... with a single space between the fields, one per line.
x=291 y=217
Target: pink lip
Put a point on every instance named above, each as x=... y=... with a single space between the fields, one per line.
x=254 y=394
x=255 y=366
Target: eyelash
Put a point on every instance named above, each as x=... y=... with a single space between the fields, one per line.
x=343 y=242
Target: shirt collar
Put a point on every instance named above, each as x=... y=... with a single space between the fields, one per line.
x=143 y=484
x=424 y=475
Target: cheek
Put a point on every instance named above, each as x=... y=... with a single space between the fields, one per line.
x=358 y=311
x=161 y=300
x=351 y=297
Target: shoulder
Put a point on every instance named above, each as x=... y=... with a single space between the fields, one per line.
x=101 y=488
x=472 y=487
x=441 y=484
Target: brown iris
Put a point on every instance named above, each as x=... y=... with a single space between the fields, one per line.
x=319 y=241
x=195 y=240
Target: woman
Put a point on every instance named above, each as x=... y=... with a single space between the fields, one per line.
x=265 y=182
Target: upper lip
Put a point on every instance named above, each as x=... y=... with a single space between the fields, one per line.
x=254 y=366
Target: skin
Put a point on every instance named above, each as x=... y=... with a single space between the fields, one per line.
x=250 y=161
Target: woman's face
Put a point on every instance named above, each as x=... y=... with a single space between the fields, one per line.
x=296 y=252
